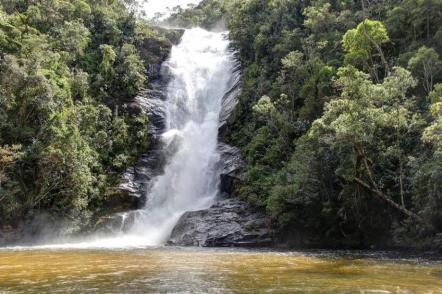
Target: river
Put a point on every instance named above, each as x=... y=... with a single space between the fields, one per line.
x=192 y=270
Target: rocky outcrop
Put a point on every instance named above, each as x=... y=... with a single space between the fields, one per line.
x=155 y=50
x=137 y=178
x=232 y=172
x=230 y=101
x=228 y=223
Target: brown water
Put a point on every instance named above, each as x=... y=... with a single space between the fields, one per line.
x=211 y=271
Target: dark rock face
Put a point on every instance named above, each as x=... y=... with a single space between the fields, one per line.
x=229 y=101
x=228 y=223
x=137 y=178
x=155 y=50
x=232 y=172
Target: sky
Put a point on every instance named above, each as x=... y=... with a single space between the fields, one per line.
x=151 y=7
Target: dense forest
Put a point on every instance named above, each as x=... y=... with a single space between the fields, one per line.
x=339 y=119
x=69 y=71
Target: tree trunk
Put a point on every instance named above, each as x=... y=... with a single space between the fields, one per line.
x=388 y=200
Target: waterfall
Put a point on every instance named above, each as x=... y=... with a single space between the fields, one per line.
x=200 y=68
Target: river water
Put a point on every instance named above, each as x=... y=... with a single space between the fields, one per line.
x=193 y=270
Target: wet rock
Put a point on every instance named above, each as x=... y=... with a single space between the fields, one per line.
x=230 y=101
x=232 y=172
x=127 y=196
x=136 y=181
x=228 y=223
x=155 y=50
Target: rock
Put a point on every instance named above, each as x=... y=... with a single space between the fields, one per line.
x=228 y=223
x=127 y=196
x=155 y=50
x=232 y=172
x=229 y=101
x=136 y=181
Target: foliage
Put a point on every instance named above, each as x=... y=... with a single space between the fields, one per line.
x=208 y=14
x=339 y=118
x=67 y=71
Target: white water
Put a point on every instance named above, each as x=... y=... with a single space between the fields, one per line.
x=200 y=67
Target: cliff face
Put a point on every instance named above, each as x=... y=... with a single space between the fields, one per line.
x=137 y=178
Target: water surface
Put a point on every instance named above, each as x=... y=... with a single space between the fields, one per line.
x=212 y=271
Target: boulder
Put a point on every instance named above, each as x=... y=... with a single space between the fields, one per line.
x=227 y=223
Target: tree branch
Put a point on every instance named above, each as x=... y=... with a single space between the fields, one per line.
x=388 y=200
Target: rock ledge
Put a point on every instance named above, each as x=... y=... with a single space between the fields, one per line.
x=228 y=223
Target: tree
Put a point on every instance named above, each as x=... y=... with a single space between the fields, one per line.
x=427 y=65
x=319 y=18
x=72 y=37
x=361 y=42
x=8 y=155
x=131 y=71
x=433 y=133
x=362 y=118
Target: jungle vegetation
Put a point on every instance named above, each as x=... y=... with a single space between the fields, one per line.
x=340 y=117
x=68 y=70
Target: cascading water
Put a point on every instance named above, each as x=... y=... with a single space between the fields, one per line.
x=200 y=67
